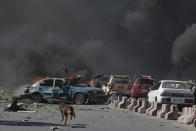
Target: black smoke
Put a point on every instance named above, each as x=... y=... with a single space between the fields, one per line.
x=40 y=38
x=184 y=52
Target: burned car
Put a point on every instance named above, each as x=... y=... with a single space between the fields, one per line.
x=119 y=85
x=101 y=80
x=62 y=89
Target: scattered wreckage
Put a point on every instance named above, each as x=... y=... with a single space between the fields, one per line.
x=14 y=106
x=63 y=89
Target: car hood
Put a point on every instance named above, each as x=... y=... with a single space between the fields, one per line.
x=184 y=91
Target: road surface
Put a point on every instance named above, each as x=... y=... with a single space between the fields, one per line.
x=88 y=118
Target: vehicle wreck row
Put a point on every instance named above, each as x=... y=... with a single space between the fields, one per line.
x=62 y=89
x=105 y=88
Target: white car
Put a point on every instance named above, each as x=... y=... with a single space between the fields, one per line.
x=171 y=92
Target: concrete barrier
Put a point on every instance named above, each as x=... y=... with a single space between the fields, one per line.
x=164 y=110
x=185 y=112
x=133 y=104
x=117 y=101
x=153 y=112
x=112 y=99
x=144 y=106
x=189 y=115
x=129 y=100
x=173 y=114
x=190 y=118
x=150 y=108
x=139 y=104
x=123 y=103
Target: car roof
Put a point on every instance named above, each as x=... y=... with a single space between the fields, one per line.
x=172 y=81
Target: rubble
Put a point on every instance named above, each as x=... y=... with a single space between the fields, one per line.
x=14 y=106
x=53 y=128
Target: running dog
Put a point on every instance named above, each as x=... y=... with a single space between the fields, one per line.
x=66 y=111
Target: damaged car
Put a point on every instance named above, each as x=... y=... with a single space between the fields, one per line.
x=62 y=89
x=142 y=86
x=119 y=85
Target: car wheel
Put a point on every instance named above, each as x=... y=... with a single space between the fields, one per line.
x=79 y=99
x=37 y=98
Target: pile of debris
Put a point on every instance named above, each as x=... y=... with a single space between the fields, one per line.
x=19 y=107
x=14 y=106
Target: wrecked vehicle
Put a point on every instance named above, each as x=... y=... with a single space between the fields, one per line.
x=142 y=86
x=62 y=89
x=101 y=80
x=119 y=85
x=171 y=92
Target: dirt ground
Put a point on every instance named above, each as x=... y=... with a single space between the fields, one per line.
x=88 y=118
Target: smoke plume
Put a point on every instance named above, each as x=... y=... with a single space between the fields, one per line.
x=184 y=55
x=41 y=38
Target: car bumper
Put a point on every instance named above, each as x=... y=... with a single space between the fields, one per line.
x=177 y=100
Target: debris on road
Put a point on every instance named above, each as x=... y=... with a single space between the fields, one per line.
x=14 y=106
x=53 y=128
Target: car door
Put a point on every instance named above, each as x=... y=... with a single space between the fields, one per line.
x=58 y=88
x=46 y=87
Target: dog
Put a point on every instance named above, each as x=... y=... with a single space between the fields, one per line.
x=66 y=111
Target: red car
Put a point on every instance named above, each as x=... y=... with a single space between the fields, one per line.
x=142 y=86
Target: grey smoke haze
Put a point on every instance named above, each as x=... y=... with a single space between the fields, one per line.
x=184 y=51
x=39 y=38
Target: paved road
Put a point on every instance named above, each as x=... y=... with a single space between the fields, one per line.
x=88 y=118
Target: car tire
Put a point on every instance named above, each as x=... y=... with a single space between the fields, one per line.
x=79 y=99
x=37 y=98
